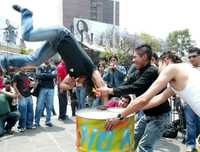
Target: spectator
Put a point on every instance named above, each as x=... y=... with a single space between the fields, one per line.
x=96 y=100
x=101 y=68
x=21 y=84
x=8 y=118
x=62 y=94
x=114 y=75
x=12 y=100
x=154 y=59
x=46 y=73
x=192 y=119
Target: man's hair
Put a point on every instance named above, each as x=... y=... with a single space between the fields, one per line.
x=194 y=50
x=144 y=49
x=155 y=55
x=6 y=81
x=127 y=97
x=113 y=56
x=175 y=58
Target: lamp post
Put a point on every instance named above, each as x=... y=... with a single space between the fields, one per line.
x=114 y=23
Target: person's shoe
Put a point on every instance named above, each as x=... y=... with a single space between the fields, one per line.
x=17 y=8
x=63 y=118
x=42 y=115
x=49 y=124
x=22 y=130
x=36 y=126
x=9 y=131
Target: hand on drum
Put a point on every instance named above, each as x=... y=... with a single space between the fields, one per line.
x=111 y=122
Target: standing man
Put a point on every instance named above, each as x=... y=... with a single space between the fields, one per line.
x=182 y=80
x=150 y=127
x=46 y=74
x=62 y=94
x=21 y=84
x=192 y=119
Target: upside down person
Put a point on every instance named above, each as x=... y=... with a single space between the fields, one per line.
x=57 y=40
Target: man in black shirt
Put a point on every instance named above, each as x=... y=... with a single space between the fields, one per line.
x=150 y=127
x=21 y=84
x=46 y=74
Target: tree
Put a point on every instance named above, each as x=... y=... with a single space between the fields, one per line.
x=151 y=40
x=129 y=41
x=124 y=57
x=179 y=41
x=23 y=51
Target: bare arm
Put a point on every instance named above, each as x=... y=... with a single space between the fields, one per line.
x=67 y=83
x=159 y=99
x=161 y=82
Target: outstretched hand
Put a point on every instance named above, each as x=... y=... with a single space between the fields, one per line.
x=105 y=90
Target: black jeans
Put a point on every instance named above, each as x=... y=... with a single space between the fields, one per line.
x=8 y=121
x=62 y=97
x=74 y=106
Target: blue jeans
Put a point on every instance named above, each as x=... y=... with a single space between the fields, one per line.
x=192 y=127
x=52 y=36
x=26 y=112
x=139 y=115
x=80 y=94
x=148 y=130
x=45 y=96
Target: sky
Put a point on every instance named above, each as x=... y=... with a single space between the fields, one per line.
x=159 y=17
x=156 y=17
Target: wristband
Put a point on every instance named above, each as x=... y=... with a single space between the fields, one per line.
x=120 y=116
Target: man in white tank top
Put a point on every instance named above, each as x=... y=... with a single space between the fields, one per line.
x=182 y=79
x=191 y=118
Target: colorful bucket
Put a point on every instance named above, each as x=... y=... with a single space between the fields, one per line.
x=92 y=137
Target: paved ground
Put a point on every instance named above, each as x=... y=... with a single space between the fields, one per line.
x=61 y=138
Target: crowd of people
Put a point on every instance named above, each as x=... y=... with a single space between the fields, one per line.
x=151 y=79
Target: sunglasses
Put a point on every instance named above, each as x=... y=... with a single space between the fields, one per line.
x=192 y=56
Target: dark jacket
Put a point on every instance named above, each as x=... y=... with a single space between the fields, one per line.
x=138 y=83
x=46 y=76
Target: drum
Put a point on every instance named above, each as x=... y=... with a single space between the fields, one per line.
x=92 y=136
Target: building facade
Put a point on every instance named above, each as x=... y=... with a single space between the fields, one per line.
x=97 y=10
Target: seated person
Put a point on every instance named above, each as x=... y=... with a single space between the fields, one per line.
x=122 y=102
x=8 y=118
x=12 y=101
